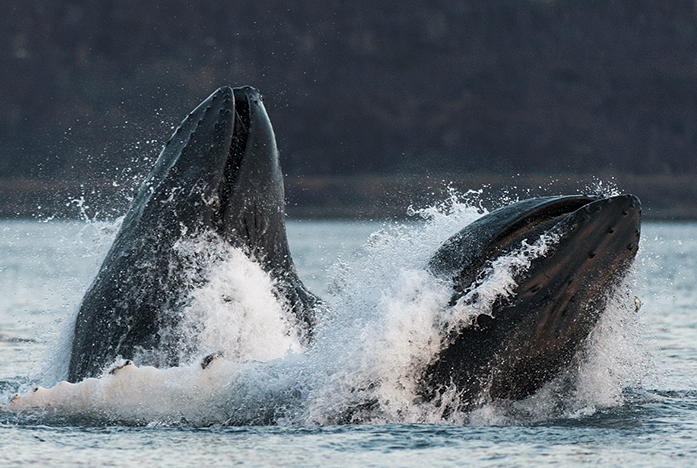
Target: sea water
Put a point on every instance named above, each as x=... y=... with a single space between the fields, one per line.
x=633 y=402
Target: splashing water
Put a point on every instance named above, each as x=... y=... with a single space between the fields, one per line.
x=387 y=317
x=234 y=311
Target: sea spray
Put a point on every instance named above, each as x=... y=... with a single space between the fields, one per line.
x=384 y=292
x=233 y=310
x=92 y=241
x=387 y=319
x=613 y=358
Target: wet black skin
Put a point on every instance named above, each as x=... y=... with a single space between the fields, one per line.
x=533 y=335
x=219 y=174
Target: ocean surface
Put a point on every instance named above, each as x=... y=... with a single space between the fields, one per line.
x=633 y=402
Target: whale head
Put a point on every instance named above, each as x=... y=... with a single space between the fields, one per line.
x=219 y=174
x=534 y=333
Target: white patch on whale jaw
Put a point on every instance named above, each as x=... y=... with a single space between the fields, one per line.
x=130 y=394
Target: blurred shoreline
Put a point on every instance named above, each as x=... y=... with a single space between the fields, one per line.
x=664 y=197
x=360 y=87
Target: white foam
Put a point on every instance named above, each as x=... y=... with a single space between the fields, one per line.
x=235 y=311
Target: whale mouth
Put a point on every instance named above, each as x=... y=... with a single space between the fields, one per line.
x=241 y=128
x=233 y=163
x=585 y=227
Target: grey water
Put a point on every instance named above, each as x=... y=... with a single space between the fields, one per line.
x=45 y=268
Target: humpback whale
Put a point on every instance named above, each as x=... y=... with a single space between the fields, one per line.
x=219 y=175
x=531 y=335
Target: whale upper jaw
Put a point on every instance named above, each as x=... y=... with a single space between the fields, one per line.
x=220 y=171
x=534 y=334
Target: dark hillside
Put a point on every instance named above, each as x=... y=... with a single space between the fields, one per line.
x=89 y=90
